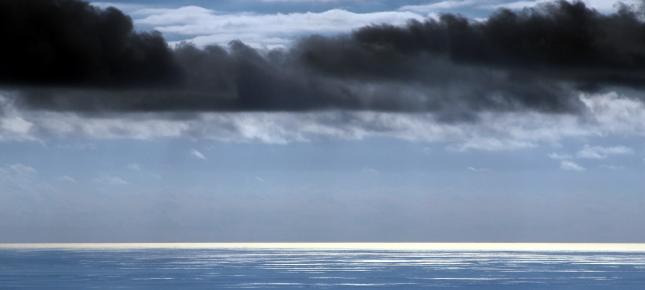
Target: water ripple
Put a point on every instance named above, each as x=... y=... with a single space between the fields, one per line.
x=317 y=269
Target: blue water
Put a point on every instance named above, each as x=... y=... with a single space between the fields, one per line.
x=309 y=269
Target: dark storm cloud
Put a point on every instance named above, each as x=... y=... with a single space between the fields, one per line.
x=535 y=59
x=70 y=43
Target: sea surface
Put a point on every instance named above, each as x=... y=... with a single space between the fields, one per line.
x=323 y=266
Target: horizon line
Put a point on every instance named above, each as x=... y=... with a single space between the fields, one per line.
x=405 y=246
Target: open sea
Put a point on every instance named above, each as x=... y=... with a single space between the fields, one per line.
x=323 y=266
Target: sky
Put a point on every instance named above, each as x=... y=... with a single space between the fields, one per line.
x=322 y=121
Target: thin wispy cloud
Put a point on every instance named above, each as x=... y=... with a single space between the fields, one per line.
x=111 y=180
x=68 y=179
x=600 y=152
x=491 y=5
x=22 y=169
x=197 y=154
x=20 y=178
x=568 y=165
x=560 y=156
x=135 y=167
x=477 y=169
x=17 y=173
x=612 y=167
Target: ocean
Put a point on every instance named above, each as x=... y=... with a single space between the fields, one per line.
x=323 y=266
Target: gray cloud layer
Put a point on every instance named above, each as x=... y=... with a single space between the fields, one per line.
x=64 y=55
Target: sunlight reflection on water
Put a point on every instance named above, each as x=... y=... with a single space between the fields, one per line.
x=313 y=267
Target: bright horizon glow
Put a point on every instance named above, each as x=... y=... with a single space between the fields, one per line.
x=520 y=247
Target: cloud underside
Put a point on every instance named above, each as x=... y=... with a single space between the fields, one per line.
x=516 y=80
x=606 y=115
x=537 y=60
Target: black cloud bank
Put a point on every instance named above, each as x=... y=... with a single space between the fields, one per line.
x=65 y=55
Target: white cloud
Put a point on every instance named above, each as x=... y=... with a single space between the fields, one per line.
x=594 y=152
x=203 y=26
x=491 y=144
x=111 y=180
x=16 y=125
x=599 y=152
x=477 y=169
x=571 y=166
x=606 y=115
x=559 y=156
x=199 y=155
x=604 y=6
x=22 y=169
x=12 y=125
x=443 y=5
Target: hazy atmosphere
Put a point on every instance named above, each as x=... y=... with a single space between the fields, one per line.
x=322 y=121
